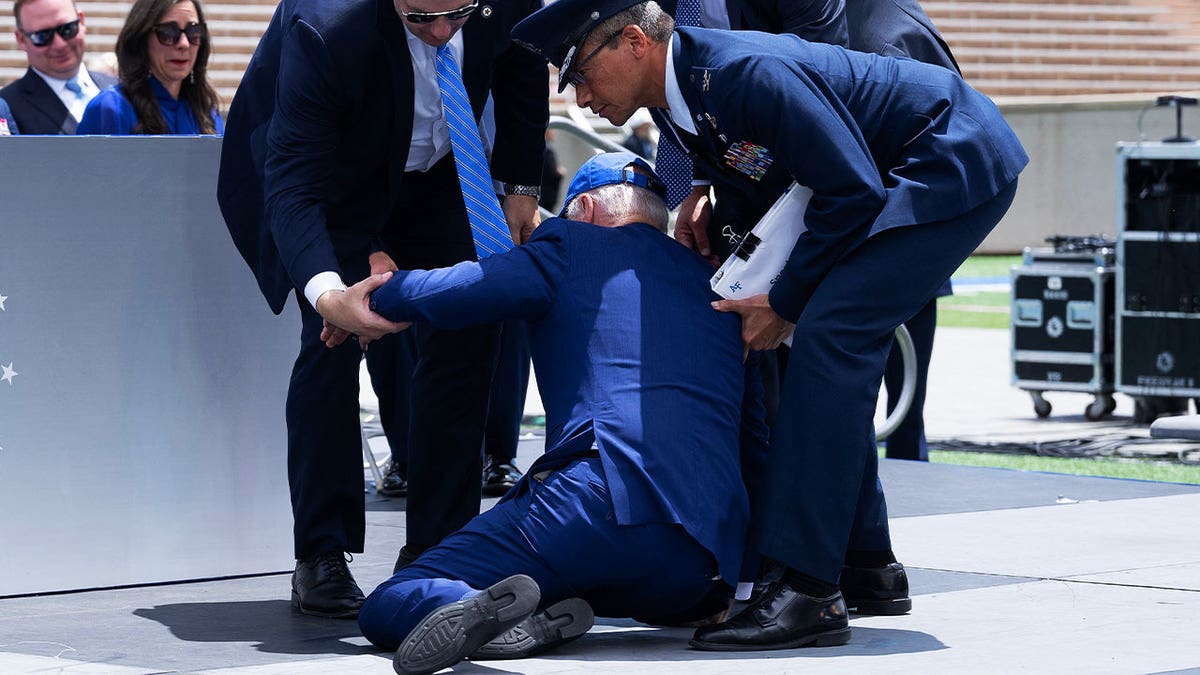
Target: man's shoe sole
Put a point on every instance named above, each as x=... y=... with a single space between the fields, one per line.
x=556 y=625
x=831 y=638
x=452 y=632
x=313 y=611
x=874 y=607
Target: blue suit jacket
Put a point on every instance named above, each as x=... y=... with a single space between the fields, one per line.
x=317 y=136
x=630 y=360
x=38 y=109
x=882 y=142
x=897 y=28
x=6 y=115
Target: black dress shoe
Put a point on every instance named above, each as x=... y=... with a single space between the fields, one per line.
x=783 y=618
x=499 y=477
x=453 y=631
x=876 y=590
x=322 y=586
x=394 y=484
x=405 y=556
x=556 y=625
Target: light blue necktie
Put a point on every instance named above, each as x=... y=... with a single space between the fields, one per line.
x=488 y=227
x=73 y=85
x=671 y=162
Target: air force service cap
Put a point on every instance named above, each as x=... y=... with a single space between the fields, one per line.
x=611 y=168
x=558 y=30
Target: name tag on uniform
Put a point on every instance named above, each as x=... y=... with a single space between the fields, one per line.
x=749 y=158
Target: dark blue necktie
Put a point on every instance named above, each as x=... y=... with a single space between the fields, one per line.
x=488 y=227
x=671 y=162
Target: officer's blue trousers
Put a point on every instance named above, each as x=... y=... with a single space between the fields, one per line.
x=560 y=531
x=822 y=494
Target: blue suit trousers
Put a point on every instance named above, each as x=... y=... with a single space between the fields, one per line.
x=822 y=494
x=560 y=531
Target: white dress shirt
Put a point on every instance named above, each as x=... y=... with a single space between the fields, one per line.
x=75 y=103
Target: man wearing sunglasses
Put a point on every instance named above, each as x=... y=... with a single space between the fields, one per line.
x=337 y=162
x=51 y=97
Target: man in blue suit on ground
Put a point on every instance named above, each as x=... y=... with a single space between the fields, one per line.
x=337 y=161
x=638 y=506
x=910 y=169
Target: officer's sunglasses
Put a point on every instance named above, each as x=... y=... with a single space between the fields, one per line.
x=573 y=75
x=429 y=17
x=41 y=38
x=168 y=33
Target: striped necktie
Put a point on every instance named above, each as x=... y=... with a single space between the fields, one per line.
x=671 y=162
x=488 y=227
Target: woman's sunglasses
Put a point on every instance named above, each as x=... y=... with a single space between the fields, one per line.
x=168 y=34
x=41 y=38
x=429 y=17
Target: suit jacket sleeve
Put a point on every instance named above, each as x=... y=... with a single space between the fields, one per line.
x=519 y=284
x=819 y=142
x=301 y=142
x=813 y=20
x=520 y=82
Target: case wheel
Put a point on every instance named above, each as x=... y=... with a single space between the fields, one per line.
x=1041 y=407
x=1100 y=407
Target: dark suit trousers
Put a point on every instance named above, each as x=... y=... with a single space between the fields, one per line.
x=908 y=440
x=822 y=494
x=390 y=362
x=561 y=532
x=509 y=388
x=452 y=374
x=449 y=393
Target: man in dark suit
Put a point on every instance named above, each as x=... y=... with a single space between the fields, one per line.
x=52 y=95
x=910 y=169
x=638 y=506
x=337 y=160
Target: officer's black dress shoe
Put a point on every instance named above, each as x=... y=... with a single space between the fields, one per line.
x=403 y=558
x=556 y=625
x=498 y=477
x=322 y=586
x=394 y=482
x=876 y=590
x=453 y=631
x=783 y=618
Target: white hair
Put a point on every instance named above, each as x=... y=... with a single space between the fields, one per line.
x=624 y=203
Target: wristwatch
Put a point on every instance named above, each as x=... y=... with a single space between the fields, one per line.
x=534 y=191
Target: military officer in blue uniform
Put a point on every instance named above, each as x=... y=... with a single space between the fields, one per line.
x=910 y=170
x=638 y=506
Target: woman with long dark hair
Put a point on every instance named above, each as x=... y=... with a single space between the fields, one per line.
x=162 y=56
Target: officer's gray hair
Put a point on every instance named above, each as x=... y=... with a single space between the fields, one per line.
x=625 y=203
x=654 y=21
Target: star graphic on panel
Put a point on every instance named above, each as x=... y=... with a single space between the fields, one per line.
x=9 y=373
x=2 y=299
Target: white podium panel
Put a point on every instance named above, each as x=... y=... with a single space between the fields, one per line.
x=142 y=436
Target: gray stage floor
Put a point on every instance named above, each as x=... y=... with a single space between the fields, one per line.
x=1010 y=571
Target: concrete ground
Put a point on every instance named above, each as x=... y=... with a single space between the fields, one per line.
x=1010 y=571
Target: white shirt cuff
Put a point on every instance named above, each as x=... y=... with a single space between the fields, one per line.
x=320 y=284
x=697 y=182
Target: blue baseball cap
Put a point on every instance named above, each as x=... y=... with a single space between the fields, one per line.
x=557 y=31
x=611 y=168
